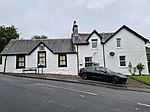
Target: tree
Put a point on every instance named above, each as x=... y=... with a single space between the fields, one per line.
x=6 y=34
x=140 y=67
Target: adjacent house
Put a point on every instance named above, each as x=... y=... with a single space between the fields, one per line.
x=66 y=56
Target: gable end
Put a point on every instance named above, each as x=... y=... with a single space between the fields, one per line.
x=131 y=31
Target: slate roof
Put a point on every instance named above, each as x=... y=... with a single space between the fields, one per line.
x=27 y=46
x=81 y=38
x=60 y=45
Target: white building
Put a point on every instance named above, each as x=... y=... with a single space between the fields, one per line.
x=67 y=56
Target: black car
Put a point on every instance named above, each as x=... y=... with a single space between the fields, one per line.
x=103 y=74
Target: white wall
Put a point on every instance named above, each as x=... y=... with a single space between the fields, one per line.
x=133 y=47
x=1 y=68
x=10 y=64
x=52 y=63
x=87 y=51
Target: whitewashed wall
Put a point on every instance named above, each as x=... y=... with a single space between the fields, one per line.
x=133 y=48
x=10 y=64
x=52 y=63
x=87 y=51
x=1 y=68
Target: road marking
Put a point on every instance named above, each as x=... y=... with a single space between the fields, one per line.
x=82 y=96
x=74 y=90
x=142 y=104
x=136 y=109
x=39 y=84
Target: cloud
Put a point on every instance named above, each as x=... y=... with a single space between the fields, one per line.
x=54 y=17
x=95 y=4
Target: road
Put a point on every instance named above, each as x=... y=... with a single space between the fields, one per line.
x=19 y=94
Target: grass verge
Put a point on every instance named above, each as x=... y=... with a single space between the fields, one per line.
x=143 y=79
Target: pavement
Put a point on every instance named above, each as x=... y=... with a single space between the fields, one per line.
x=131 y=85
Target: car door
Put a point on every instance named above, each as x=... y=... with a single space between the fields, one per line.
x=90 y=71
x=102 y=73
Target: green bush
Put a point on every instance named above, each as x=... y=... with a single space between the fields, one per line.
x=140 y=67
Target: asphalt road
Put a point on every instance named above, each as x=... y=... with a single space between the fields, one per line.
x=19 y=94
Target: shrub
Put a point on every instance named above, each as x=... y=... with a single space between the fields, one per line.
x=140 y=67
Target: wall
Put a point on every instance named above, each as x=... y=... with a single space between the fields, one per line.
x=52 y=63
x=133 y=48
x=10 y=64
x=87 y=51
x=1 y=68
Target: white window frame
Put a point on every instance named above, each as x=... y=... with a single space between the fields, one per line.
x=123 y=61
x=96 y=43
x=119 y=43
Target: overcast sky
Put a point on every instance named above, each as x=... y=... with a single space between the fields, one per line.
x=54 y=18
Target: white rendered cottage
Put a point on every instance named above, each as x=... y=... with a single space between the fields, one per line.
x=67 y=56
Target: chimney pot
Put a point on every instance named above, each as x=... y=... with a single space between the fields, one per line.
x=75 y=28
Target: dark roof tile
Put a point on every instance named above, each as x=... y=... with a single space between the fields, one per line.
x=82 y=37
x=27 y=46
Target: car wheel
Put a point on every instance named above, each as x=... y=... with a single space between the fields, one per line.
x=84 y=76
x=114 y=80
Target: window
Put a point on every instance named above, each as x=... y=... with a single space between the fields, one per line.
x=118 y=40
x=62 y=60
x=20 y=61
x=88 y=61
x=122 y=60
x=41 y=58
x=94 y=43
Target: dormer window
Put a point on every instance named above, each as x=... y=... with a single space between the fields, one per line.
x=94 y=43
x=118 y=41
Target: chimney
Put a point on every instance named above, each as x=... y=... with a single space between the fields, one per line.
x=75 y=28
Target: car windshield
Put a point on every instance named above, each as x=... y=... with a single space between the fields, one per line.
x=104 y=69
x=108 y=70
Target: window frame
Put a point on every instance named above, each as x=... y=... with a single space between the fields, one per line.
x=41 y=66
x=18 y=61
x=93 y=41
x=120 y=42
x=59 y=60
x=122 y=63
x=89 y=62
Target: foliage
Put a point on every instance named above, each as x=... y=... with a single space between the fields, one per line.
x=6 y=34
x=145 y=79
x=39 y=37
x=131 y=69
x=140 y=67
x=95 y=64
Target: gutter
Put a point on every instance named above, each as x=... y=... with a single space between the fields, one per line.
x=104 y=54
x=5 y=64
x=77 y=60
